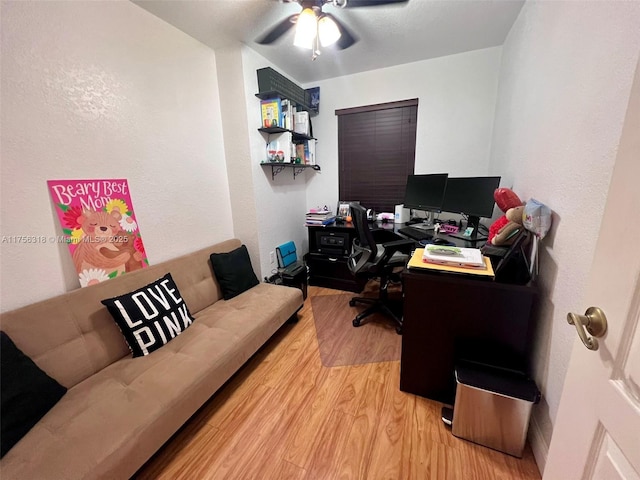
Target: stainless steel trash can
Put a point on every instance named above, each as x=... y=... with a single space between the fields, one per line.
x=493 y=407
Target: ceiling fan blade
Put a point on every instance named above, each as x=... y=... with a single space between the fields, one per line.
x=346 y=37
x=277 y=31
x=372 y=3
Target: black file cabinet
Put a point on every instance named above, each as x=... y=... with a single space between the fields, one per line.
x=329 y=249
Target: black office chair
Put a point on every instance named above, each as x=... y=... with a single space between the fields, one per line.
x=373 y=257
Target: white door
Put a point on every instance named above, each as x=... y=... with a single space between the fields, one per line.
x=597 y=430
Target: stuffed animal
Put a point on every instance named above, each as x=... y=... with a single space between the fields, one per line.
x=507 y=233
x=505 y=199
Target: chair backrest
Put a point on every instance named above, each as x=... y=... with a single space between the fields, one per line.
x=364 y=248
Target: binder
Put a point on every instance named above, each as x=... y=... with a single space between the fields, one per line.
x=286 y=254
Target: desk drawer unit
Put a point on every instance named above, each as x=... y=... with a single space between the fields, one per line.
x=331 y=271
x=448 y=318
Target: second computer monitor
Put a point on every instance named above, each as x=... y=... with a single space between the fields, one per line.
x=471 y=196
x=425 y=192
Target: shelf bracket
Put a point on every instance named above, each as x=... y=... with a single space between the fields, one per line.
x=275 y=170
x=297 y=171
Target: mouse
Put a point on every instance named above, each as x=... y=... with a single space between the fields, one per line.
x=440 y=241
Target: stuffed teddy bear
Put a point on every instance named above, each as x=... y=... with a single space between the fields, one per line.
x=506 y=199
x=507 y=233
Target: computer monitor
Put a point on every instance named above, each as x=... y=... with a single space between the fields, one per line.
x=471 y=196
x=425 y=192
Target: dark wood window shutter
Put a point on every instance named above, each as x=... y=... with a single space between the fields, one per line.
x=376 y=152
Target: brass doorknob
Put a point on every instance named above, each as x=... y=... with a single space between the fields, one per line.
x=595 y=322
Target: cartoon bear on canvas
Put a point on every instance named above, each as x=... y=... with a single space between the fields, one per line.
x=99 y=229
x=125 y=244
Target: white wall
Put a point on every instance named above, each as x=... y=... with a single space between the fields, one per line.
x=237 y=151
x=456 y=96
x=105 y=90
x=564 y=87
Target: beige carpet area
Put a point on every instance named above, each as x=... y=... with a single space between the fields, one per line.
x=341 y=343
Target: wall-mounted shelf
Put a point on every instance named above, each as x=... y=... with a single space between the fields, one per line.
x=296 y=135
x=298 y=168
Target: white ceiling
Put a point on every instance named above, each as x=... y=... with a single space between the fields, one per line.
x=388 y=35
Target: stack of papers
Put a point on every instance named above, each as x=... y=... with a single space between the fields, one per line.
x=417 y=263
x=320 y=217
x=454 y=256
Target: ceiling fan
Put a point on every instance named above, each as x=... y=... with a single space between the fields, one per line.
x=315 y=27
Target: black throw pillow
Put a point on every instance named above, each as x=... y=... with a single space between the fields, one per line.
x=28 y=393
x=233 y=271
x=151 y=316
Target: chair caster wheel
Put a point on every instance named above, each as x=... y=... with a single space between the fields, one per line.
x=352 y=303
x=356 y=323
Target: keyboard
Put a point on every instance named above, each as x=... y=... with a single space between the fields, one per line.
x=415 y=233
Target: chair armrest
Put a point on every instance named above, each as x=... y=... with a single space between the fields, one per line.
x=404 y=245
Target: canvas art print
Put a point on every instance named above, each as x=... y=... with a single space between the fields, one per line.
x=100 y=227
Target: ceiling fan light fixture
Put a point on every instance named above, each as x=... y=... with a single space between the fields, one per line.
x=306 y=29
x=328 y=31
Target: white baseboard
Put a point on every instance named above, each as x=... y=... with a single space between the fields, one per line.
x=539 y=446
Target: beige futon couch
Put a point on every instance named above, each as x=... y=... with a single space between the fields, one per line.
x=119 y=410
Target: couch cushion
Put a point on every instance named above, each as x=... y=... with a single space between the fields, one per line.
x=151 y=316
x=84 y=339
x=234 y=272
x=28 y=393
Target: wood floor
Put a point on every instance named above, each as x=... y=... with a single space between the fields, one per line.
x=285 y=416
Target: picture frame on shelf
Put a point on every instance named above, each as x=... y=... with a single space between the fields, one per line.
x=344 y=209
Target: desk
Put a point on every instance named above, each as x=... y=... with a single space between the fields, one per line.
x=449 y=317
x=329 y=249
x=327 y=260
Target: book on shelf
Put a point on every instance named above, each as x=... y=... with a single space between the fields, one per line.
x=310 y=152
x=319 y=212
x=284 y=112
x=305 y=152
x=301 y=124
x=271 y=111
x=300 y=153
x=319 y=216
x=292 y=152
x=288 y=112
x=325 y=221
x=292 y=116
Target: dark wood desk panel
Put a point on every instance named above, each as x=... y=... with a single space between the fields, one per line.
x=449 y=317
x=328 y=262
